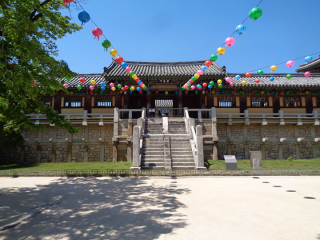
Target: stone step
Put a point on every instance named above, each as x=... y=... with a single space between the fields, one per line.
x=184 y=168
x=147 y=159
x=152 y=168
x=152 y=157
x=181 y=155
x=153 y=164
x=188 y=159
x=184 y=164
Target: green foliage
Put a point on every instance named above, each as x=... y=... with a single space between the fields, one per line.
x=289 y=159
x=28 y=31
x=10 y=136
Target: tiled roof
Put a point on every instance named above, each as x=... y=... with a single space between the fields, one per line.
x=280 y=80
x=159 y=69
x=75 y=81
x=313 y=66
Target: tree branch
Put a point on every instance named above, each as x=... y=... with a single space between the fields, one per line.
x=34 y=17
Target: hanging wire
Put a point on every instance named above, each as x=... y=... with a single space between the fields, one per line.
x=283 y=62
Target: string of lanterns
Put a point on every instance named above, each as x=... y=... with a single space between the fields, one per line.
x=254 y=14
x=84 y=17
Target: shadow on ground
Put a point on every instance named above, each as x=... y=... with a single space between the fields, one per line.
x=94 y=208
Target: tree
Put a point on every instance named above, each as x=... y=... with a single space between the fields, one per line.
x=28 y=31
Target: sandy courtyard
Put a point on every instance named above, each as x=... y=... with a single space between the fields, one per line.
x=163 y=208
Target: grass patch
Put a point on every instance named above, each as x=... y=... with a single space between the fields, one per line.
x=299 y=164
x=69 y=166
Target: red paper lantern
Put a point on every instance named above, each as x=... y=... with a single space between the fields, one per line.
x=126 y=87
x=208 y=63
x=137 y=79
x=257 y=80
x=122 y=89
x=233 y=92
x=206 y=92
x=248 y=74
x=119 y=59
x=97 y=32
x=82 y=80
x=157 y=92
x=111 y=92
x=190 y=81
x=67 y=2
x=297 y=93
x=282 y=93
x=61 y=93
x=34 y=84
x=205 y=84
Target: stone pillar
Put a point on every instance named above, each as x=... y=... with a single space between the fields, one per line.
x=263 y=150
x=148 y=102
x=136 y=148
x=229 y=147
x=297 y=150
x=215 y=151
x=54 y=153
x=38 y=154
x=116 y=122
x=114 y=149
x=129 y=149
x=101 y=140
x=200 y=149
x=280 y=150
x=167 y=154
x=69 y=156
x=130 y=127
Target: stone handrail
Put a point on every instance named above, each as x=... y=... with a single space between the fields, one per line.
x=137 y=146
x=186 y=119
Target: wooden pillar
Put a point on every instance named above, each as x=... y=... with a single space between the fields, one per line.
x=88 y=103
x=57 y=104
x=126 y=100
x=276 y=104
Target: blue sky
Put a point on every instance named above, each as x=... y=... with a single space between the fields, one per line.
x=190 y=30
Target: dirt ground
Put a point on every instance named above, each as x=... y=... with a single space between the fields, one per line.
x=162 y=208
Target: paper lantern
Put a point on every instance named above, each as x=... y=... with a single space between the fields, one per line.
x=124 y=65
x=200 y=72
x=241 y=29
x=220 y=85
x=93 y=82
x=91 y=87
x=79 y=87
x=119 y=86
x=134 y=76
x=68 y=78
x=67 y=2
x=102 y=84
x=260 y=72
x=209 y=86
x=113 y=88
x=252 y=92
x=219 y=81
x=193 y=87
x=262 y=92
x=307 y=74
x=126 y=87
x=273 y=68
x=97 y=33
x=231 y=84
x=156 y=91
x=243 y=82
x=186 y=92
x=213 y=57
x=297 y=93
x=128 y=69
x=84 y=17
x=82 y=80
x=65 y=85
x=122 y=89
x=271 y=79
x=237 y=77
x=255 y=13
x=166 y=92
x=113 y=52
x=257 y=80
x=211 y=83
x=221 y=50
x=229 y=41
x=248 y=74
x=193 y=78
x=289 y=76
x=208 y=63
x=34 y=84
x=198 y=86
x=204 y=68
x=290 y=63
x=281 y=93
x=196 y=75
x=233 y=92
x=119 y=59
x=111 y=85
x=131 y=73
x=103 y=88
x=190 y=81
x=205 y=84
x=308 y=59
x=106 y=44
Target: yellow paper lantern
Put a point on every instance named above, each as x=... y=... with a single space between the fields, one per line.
x=244 y=83
x=188 y=88
x=273 y=68
x=196 y=75
x=121 y=92
x=93 y=82
x=134 y=76
x=219 y=81
x=166 y=92
x=132 y=88
x=213 y=92
x=71 y=93
x=262 y=92
x=113 y=88
x=113 y=52
x=143 y=86
x=307 y=92
x=221 y=50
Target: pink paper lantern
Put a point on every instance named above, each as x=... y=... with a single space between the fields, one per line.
x=67 y=2
x=97 y=32
x=111 y=85
x=233 y=92
x=307 y=74
x=140 y=91
x=65 y=85
x=290 y=63
x=229 y=41
x=231 y=84
x=228 y=79
x=193 y=87
x=128 y=69
x=200 y=72
x=91 y=88
x=186 y=92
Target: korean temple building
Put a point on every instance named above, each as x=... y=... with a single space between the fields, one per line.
x=166 y=127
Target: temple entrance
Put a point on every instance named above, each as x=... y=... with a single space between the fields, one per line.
x=163 y=107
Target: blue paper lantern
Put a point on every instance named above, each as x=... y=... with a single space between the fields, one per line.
x=210 y=86
x=146 y=88
x=241 y=29
x=189 y=83
x=130 y=92
x=103 y=84
x=138 y=89
x=308 y=59
x=139 y=82
x=176 y=92
x=237 y=77
x=271 y=79
x=124 y=65
x=198 y=86
x=204 y=68
x=84 y=17
x=81 y=93
x=103 y=88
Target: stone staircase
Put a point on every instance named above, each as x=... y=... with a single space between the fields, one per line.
x=152 y=157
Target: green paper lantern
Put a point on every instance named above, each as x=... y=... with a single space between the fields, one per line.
x=211 y=83
x=106 y=44
x=131 y=73
x=183 y=88
x=119 y=86
x=220 y=85
x=289 y=76
x=213 y=57
x=193 y=78
x=79 y=87
x=288 y=93
x=260 y=72
x=68 y=78
x=196 y=92
x=255 y=13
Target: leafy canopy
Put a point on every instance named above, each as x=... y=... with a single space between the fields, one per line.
x=28 y=31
